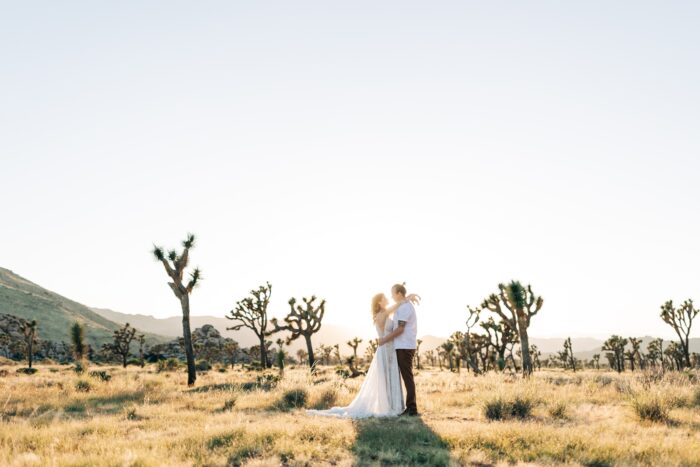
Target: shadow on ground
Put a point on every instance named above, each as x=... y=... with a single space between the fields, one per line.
x=398 y=441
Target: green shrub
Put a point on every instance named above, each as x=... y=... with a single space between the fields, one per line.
x=101 y=375
x=495 y=409
x=79 y=368
x=294 y=399
x=130 y=414
x=27 y=371
x=651 y=408
x=83 y=386
x=500 y=407
x=326 y=399
x=202 y=365
x=170 y=364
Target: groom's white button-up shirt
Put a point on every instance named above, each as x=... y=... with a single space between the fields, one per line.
x=407 y=340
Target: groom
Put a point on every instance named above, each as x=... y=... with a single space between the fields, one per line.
x=404 y=337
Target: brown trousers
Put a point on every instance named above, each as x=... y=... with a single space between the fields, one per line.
x=404 y=357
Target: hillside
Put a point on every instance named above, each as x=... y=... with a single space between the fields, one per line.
x=55 y=313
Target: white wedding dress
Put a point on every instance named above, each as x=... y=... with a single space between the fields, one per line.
x=380 y=394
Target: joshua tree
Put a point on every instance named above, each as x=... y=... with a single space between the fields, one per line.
x=430 y=355
x=231 y=348
x=616 y=346
x=448 y=348
x=500 y=337
x=336 y=353
x=567 y=355
x=122 y=343
x=77 y=335
x=681 y=320
x=302 y=321
x=470 y=350
x=302 y=355
x=596 y=361
x=522 y=304
x=535 y=354
x=655 y=352
x=141 y=339
x=280 y=354
x=675 y=355
x=634 y=355
x=354 y=343
x=28 y=329
x=175 y=265
x=418 y=343
x=326 y=352
x=251 y=312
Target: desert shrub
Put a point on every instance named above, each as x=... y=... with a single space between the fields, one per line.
x=133 y=362
x=294 y=398
x=342 y=372
x=229 y=404
x=222 y=369
x=326 y=399
x=499 y=408
x=4 y=373
x=101 y=375
x=130 y=413
x=603 y=380
x=79 y=368
x=83 y=386
x=651 y=407
x=495 y=409
x=696 y=398
x=170 y=364
x=27 y=371
x=203 y=365
x=558 y=410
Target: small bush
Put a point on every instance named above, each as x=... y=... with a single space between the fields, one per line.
x=4 y=373
x=696 y=398
x=229 y=404
x=558 y=410
x=294 y=399
x=495 y=409
x=83 y=386
x=101 y=375
x=170 y=364
x=651 y=408
x=202 y=365
x=500 y=408
x=326 y=399
x=27 y=371
x=79 y=368
x=130 y=414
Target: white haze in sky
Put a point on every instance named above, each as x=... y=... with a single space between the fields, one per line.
x=335 y=148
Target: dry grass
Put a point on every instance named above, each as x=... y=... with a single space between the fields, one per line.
x=141 y=417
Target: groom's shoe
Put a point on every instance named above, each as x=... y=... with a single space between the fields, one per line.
x=409 y=413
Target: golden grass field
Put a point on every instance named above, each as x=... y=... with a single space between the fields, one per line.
x=141 y=417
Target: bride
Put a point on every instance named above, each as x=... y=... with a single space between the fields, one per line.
x=380 y=394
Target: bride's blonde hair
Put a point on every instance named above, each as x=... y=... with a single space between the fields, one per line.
x=376 y=305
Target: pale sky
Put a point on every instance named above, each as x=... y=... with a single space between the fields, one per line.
x=334 y=148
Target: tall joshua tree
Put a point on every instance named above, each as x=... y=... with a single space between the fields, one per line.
x=469 y=346
x=567 y=355
x=28 y=329
x=251 y=313
x=681 y=320
x=175 y=265
x=302 y=320
x=655 y=352
x=522 y=305
x=77 y=336
x=418 y=343
x=354 y=343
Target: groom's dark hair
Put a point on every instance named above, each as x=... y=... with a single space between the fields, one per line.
x=400 y=288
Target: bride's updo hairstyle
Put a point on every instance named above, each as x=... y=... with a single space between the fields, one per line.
x=376 y=305
x=399 y=288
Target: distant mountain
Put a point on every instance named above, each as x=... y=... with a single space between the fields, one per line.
x=55 y=313
x=172 y=327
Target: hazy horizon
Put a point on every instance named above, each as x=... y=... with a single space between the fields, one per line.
x=337 y=149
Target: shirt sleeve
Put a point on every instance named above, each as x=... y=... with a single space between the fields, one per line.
x=403 y=312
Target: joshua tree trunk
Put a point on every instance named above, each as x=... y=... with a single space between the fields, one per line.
x=263 y=352
x=524 y=345
x=310 y=352
x=31 y=352
x=187 y=335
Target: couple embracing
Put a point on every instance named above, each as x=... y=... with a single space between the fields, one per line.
x=381 y=394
